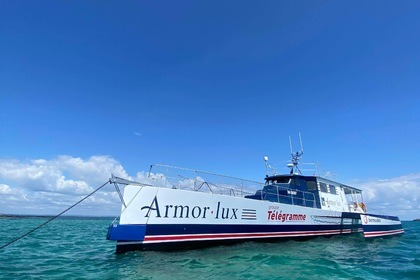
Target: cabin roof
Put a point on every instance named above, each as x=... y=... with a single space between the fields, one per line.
x=347 y=189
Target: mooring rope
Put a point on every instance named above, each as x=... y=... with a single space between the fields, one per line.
x=52 y=218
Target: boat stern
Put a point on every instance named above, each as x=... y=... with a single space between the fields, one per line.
x=380 y=225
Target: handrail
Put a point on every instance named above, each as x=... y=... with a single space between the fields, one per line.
x=199 y=187
x=197 y=180
x=199 y=171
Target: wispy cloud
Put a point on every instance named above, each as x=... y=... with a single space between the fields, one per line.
x=137 y=133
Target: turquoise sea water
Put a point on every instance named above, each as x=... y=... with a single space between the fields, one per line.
x=76 y=248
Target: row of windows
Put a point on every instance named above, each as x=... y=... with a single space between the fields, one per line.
x=310 y=185
x=324 y=188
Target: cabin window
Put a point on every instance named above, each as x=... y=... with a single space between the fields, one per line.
x=332 y=189
x=311 y=185
x=323 y=187
x=295 y=181
x=282 y=180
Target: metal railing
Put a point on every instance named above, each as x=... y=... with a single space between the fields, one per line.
x=201 y=181
x=287 y=195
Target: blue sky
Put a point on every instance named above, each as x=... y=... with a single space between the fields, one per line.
x=210 y=85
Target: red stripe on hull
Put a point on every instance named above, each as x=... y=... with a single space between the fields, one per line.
x=383 y=233
x=172 y=238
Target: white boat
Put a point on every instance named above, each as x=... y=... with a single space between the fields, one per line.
x=196 y=213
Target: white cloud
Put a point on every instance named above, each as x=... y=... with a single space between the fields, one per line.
x=43 y=186
x=394 y=196
x=64 y=174
x=5 y=189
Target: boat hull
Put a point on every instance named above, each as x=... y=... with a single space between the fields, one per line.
x=169 y=237
x=170 y=219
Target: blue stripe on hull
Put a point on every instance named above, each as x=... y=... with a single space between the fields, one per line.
x=215 y=229
x=370 y=228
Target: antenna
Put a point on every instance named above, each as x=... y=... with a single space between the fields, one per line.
x=295 y=156
x=301 y=146
x=290 y=142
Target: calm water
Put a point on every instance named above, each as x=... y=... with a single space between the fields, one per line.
x=76 y=248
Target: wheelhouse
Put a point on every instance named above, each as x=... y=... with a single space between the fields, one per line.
x=310 y=191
